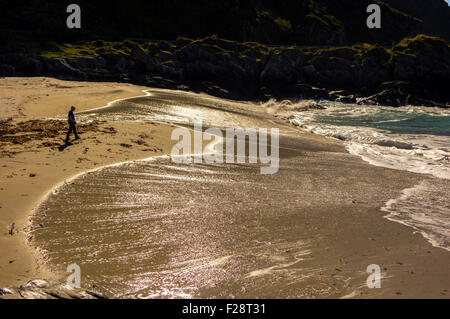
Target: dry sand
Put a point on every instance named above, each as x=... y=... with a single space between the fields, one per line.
x=29 y=170
x=38 y=97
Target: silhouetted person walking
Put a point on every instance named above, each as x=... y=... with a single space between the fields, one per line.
x=72 y=125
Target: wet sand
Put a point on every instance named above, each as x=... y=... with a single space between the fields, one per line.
x=158 y=229
x=30 y=169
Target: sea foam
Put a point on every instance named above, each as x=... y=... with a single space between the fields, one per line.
x=414 y=139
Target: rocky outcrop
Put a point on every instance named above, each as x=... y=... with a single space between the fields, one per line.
x=416 y=70
x=423 y=59
x=199 y=63
x=283 y=69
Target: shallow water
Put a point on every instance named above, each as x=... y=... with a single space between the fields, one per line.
x=415 y=139
x=426 y=208
x=180 y=107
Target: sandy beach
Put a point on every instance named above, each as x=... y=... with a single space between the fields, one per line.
x=326 y=228
x=34 y=169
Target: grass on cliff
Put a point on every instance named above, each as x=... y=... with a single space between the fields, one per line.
x=396 y=11
x=157 y=48
x=90 y=48
x=321 y=15
x=165 y=51
x=223 y=44
x=410 y=46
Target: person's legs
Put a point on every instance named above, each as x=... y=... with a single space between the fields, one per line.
x=68 y=133
x=75 y=132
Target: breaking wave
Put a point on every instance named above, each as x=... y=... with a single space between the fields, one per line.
x=414 y=139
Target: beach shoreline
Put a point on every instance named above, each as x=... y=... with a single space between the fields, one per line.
x=33 y=171
x=397 y=246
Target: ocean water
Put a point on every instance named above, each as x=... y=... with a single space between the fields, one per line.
x=414 y=139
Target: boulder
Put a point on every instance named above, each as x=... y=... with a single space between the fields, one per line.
x=283 y=68
x=422 y=59
x=60 y=67
x=7 y=70
x=23 y=64
x=332 y=72
x=307 y=91
x=229 y=70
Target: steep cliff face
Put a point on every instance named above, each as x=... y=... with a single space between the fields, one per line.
x=304 y=22
x=395 y=25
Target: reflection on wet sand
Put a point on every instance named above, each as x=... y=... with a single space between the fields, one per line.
x=161 y=230
x=182 y=108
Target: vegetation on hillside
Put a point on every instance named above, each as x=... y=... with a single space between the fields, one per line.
x=411 y=45
x=301 y=22
x=354 y=54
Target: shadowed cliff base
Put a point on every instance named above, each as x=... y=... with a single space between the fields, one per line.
x=414 y=71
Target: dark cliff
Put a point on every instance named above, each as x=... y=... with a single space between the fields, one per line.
x=260 y=48
x=416 y=70
x=435 y=15
x=303 y=22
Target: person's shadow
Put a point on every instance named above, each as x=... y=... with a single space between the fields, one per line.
x=62 y=147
